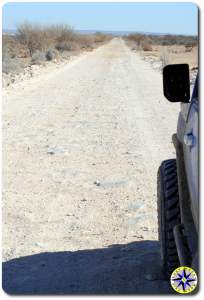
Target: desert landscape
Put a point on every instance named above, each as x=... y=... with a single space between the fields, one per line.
x=163 y=50
x=85 y=128
x=33 y=49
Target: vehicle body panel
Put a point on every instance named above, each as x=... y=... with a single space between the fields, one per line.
x=191 y=158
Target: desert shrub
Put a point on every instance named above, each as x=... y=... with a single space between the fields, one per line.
x=100 y=37
x=51 y=54
x=31 y=36
x=65 y=54
x=174 y=39
x=41 y=38
x=163 y=39
x=142 y=41
x=63 y=46
x=146 y=47
x=33 y=44
x=86 y=41
x=63 y=33
x=10 y=65
x=137 y=38
x=66 y=46
x=38 y=57
x=13 y=47
x=36 y=38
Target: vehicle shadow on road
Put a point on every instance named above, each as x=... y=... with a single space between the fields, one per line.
x=132 y=268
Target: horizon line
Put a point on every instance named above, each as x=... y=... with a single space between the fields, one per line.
x=5 y=30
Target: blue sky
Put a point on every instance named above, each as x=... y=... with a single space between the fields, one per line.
x=178 y=18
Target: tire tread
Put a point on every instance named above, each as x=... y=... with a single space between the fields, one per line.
x=168 y=213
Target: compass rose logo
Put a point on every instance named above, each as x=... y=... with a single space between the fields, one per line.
x=184 y=280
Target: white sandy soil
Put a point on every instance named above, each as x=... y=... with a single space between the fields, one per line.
x=81 y=148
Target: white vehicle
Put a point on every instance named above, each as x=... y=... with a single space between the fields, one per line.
x=178 y=188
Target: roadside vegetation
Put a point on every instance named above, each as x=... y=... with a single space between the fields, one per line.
x=161 y=50
x=164 y=40
x=36 y=45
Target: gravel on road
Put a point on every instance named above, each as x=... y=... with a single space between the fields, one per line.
x=81 y=149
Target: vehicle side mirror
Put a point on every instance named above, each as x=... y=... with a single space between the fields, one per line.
x=176 y=83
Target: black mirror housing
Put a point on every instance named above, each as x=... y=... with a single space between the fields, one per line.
x=176 y=83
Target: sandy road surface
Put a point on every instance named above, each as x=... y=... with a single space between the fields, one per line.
x=81 y=148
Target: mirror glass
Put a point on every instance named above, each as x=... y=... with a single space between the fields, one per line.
x=176 y=83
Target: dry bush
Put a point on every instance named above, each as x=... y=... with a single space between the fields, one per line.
x=13 y=47
x=64 y=33
x=165 y=39
x=11 y=65
x=41 y=38
x=86 y=41
x=101 y=38
x=65 y=54
x=146 y=47
x=170 y=39
x=142 y=41
x=66 y=46
x=31 y=36
x=63 y=46
x=34 y=44
x=38 y=57
x=61 y=37
x=51 y=54
x=137 y=38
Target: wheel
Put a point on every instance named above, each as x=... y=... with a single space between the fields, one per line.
x=168 y=214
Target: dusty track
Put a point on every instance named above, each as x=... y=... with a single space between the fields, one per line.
x=81 y=149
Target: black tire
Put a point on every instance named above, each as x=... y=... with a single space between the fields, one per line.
x=168 y=214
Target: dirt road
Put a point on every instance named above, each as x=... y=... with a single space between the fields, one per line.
x=81 y=149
